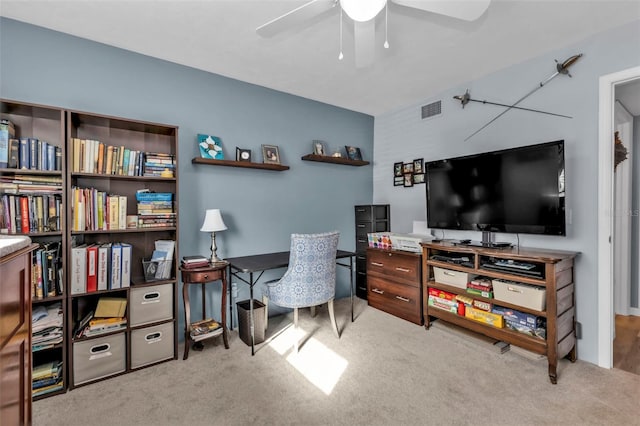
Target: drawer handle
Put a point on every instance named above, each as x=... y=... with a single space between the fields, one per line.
x=154 y=337
x=205 y=276
x=360 y=210
x=375 y=290
x=377 y=264
x=403 y=269
x=100 y=351
x=362 y=241
x=404 y=299
x=360 y=225
x=151 y=297
x=451 y=274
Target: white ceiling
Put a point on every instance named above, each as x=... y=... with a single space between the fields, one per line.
x=428 y=52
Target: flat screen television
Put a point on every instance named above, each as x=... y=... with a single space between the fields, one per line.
x=517 y=190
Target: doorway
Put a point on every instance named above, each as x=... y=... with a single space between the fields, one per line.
x=615 y=217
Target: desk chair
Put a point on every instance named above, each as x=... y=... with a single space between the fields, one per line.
x=310 y=279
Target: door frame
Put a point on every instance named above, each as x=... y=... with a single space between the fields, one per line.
x=606 y=323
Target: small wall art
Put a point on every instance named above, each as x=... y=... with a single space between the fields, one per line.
x=353 y=153
x=210 y=147
x=270 y=154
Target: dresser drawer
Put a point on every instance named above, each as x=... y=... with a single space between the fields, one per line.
x=397 y=299
x=98 y=358
x=404 y=267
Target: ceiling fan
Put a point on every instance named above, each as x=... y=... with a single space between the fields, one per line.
x=363 y=13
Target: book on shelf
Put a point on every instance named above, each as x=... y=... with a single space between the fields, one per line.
x=109 y=307
x=204 y=329
x=116 y=266
x=104 y=266
x=80 y=326
x=14 y=153
x=7 y=132
x=92 y=268
x=125 y=275
x=79 y=269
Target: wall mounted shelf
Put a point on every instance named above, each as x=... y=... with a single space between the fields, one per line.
x=241 y=164
x=334 y=160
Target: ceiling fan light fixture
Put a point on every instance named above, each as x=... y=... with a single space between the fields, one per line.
x=362 y=10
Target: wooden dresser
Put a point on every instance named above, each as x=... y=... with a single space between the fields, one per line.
x=394 y=283
x=15 y=336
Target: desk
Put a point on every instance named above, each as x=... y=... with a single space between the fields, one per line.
x=203 y=275
x=263 y=262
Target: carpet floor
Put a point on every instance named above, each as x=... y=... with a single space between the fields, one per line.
x=382 y=371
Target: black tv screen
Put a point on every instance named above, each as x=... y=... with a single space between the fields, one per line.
x=518 y=190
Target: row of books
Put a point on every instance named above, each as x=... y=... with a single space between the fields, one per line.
x=103 y=266
x=196 y=261
x=109 y=315
x=204 y=329
x=27 y=152
x=47 y=377
x=93 y=156
x=23 y=214
x=46 y=326
x=95 y=210
x=155 y=209
x=46 y=267
x=24 y=183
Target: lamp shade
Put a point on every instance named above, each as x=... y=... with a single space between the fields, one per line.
x=213 y=221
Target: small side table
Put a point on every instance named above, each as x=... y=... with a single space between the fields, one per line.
x=203 y=275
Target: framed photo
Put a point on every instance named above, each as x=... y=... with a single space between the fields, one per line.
x=418 y=166
x=270 y=154
x=353 y=153
x=319 y=148
x=398 y=180
x=210 y=147
x=408 y=179
x=418 y=178
x=407 y=168
x=397 y=169
x=243 y=154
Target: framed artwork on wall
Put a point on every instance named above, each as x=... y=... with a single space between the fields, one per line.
x=408 y=179
x=319 y=148
x=270 y=154
x=418 y=178
x=397 y=169
x=353 y=153
x=210 y=147
x=418 y=165
x=243 y=154
x=407 y=168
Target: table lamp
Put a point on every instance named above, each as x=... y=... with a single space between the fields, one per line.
x=212 y=223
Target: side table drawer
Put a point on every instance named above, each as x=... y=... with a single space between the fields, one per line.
x=201 y=276
x=150 y=304
x=397 y=299
x=151 y=344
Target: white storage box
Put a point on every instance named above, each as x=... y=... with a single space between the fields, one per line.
x=454 y=278
x=529 y=296
x=97 y=358
x=150 y=304
x=151 y=344
x=408 y=242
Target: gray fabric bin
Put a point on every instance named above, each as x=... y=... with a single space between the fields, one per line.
x=244 y=321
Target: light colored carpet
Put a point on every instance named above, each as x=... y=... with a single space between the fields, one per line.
x=382 y=371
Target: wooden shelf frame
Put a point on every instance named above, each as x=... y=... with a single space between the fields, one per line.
x=334 y=160
x=240 y=164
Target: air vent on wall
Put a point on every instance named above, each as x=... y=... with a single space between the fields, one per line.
x=432 y=109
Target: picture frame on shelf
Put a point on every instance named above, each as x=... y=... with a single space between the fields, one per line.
x=418 y=178
x=210 y=147
x=418 y=166
x=398 y=180
x=397 y=169
x=319 y=148
x=243 y=154
x=407 y=168
x=270 y=154
x=408 y=180
x=353 y=153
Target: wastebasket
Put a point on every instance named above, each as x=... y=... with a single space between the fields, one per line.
x=244 y=321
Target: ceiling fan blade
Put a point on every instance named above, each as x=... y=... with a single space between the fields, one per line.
x=295 y=17
x=468 y=10
x=364 y=34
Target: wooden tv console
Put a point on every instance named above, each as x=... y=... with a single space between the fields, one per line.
x=554 y=272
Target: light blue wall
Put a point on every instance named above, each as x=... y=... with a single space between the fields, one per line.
x=261 y=208
x=635 y=215
x=403 y=136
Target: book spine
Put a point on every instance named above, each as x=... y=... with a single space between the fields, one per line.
x=116 y=266
x=51 y=157
x=58 y=164
x=33 y=153
x=24 y=153
x=24 y=215
x=126 y=265
x=92 y=268
x=78 y=270
x=4 y=144
x=14 y=153
x=122 y=212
